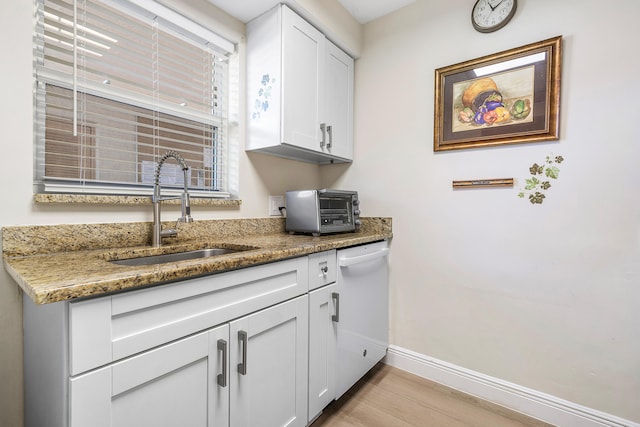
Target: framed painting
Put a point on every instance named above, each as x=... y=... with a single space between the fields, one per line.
x=506 y=98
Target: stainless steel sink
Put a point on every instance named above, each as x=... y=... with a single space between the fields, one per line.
x=180 y=256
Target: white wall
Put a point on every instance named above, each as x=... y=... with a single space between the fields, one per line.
x=544 y=296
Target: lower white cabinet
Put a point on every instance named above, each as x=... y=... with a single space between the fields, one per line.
x=322 y=348
x=173 y=385
x=251 y=347
x=268 y=369
x=252 y=371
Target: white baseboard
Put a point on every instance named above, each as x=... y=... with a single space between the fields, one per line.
x=547 y=408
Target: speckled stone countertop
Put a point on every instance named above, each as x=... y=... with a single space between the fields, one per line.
x=65 y=262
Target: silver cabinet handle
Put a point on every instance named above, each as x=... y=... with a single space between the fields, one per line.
x=222 y=378
x=336 y=317
x=324 y=270
x=323 y=129
x=330 y=133
x=242 y=367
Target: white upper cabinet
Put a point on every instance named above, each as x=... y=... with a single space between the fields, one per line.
x=300 y=91
x=338 y=105
x=303 y=53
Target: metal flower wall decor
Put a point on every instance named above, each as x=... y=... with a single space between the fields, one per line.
x=540 y=181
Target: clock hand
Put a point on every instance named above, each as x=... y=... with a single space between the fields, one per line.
x=494 y=7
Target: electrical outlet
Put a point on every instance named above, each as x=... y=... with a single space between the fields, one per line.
x=275 y=202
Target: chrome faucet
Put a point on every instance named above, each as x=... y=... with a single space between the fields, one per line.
x=158 y=232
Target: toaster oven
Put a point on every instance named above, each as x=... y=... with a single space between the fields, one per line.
x=322 y=211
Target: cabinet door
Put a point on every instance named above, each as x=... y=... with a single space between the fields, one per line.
x=173 y=385
x=338 y=110
x=269 y=366
x=322 y=347
x=303 y=51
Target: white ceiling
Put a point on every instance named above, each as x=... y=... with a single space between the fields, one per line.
x=368 y=10
x=362 y=10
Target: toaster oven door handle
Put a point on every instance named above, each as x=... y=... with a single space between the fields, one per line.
x=346 y=262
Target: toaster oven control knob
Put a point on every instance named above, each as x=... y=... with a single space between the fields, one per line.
x=356 y=212
x=356 y=202
x=358 y=223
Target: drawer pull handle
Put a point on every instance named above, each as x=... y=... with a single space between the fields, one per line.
x=222 y=378
x=336 y=297
x=324 y=270
x=242 y=367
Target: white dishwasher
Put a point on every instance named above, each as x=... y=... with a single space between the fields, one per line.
x=362 y=311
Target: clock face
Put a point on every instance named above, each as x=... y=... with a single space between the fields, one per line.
x=491 y=15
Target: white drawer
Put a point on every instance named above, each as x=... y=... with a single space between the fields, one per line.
x=322 y=269
x=107 y=329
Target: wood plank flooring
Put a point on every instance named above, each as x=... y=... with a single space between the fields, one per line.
x=390 y=397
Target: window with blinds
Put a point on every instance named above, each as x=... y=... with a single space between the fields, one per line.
x=119 y=83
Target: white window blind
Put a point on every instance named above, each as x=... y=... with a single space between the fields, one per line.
x=119 y=83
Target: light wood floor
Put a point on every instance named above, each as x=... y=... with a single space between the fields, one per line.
x=390 y=397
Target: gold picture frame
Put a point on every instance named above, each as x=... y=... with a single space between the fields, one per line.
x=508 y=97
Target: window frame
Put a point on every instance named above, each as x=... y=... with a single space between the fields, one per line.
x=43 y=76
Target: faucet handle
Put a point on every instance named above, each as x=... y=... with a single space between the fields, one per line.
x=186 y=208
x=169 y=232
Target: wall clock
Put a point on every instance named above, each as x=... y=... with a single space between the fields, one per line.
x=491 y=15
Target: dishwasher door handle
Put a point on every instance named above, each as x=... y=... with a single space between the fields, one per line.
x=346 y=262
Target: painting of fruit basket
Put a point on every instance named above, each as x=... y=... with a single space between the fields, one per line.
x=505 y=98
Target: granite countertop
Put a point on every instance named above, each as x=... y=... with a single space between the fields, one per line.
x=60 y=263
